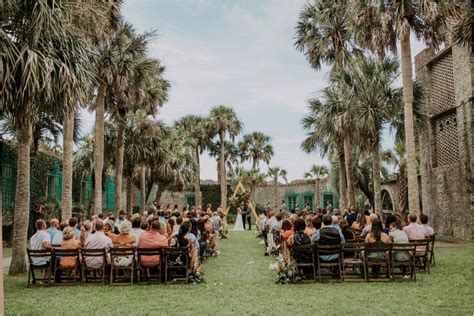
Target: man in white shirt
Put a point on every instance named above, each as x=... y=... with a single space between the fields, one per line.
x=122 y=219
x=41 y=240
x=137 y=231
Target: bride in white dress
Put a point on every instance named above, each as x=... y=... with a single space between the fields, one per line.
x=239 y=224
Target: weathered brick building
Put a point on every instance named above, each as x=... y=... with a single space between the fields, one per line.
x=447 y=145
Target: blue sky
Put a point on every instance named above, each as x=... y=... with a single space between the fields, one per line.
x=238 y=53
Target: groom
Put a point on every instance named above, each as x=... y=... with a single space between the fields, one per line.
x=246 y=216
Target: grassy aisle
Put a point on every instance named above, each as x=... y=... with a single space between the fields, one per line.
x=240 y=282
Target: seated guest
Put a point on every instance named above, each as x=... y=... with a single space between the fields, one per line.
x=376 y=236
x=58 y=237
x=328 y=235
x=86 y=230
x=414 y=230
x=122 y=219
x=368 y=227
x=309 y=226
x=398 y=236
x=351 y=216
x=300 y=238
x=41 y=240
x=359 y=224
x=193 y=234
x=376 y=233
x=152 y=239
x=68 y=243
x=287 y=230
x=137 y=231
x=98 y=240
x=125 y=238
x=390 y=218
x=53 y=227
x=73 y=223
x=429 y=231
x=346 y=232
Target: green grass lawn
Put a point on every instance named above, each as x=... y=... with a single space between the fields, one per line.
x=7 y=252
x=240 y=282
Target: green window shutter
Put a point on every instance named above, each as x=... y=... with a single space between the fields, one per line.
x=110 y=187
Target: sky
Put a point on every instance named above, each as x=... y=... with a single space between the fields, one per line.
x=238 y=53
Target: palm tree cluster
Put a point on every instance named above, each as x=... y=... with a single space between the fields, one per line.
x=58 y=57
x=358 y=39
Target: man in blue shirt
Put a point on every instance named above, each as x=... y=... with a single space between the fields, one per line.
x=53 y=227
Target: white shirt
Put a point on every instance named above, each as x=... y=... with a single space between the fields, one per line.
x=137 y=232
x=58 y=238
x=36 y=243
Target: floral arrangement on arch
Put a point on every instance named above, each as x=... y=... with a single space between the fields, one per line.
x=239 y=198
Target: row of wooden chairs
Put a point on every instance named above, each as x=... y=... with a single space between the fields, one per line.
x=174 y=263
x=356 y=259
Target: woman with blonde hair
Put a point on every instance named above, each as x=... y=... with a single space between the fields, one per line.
x=86 y=230
x=123 y=240
x=68 y=243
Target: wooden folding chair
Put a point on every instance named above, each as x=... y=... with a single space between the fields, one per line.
x=304 y=257
x=147 y=269
x=377 y=255
x=403 y=257
x=74 y=272
x=353 y=259
x=176 y=261
x=33 y=257
x=122 y=260
x=322 y=252
x=97 y=273
x=431 y=253
x=421 y=254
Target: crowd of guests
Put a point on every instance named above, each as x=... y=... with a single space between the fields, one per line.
x=200 y=230
x=330 y=228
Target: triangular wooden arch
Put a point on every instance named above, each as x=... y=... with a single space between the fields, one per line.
x=239 y=188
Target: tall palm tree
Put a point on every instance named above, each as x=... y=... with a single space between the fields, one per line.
x=324 y=35
x=137 y=84
x=192 y=128
x=427 y=20
x=397 y=158
x=256 y=147
x=52 y=78
x=222 y=121
x=322 y=136
x=316 y=173
x=367 y=87
x=274 y=173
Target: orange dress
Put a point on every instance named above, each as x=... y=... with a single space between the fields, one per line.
x=69 y=262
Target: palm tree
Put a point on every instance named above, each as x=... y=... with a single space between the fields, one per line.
x=322 y=135
x=52 y=78
x=427 y=20
x=255 y=147
x=192 y=128
x=316 y=173
x=223 y=120
x=324 y=35
x=137 y=84
x=397 y=158
x=275 y=173
x=252 y=178
x=367 y=87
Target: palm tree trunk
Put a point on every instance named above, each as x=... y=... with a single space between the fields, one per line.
x=68 y=131
x=197 y=179
x=222 y=172
x=99 y=148
x=119 y=166
x=376 y=177
x=129 y=195
x=413 y=192
x=143 y=188
x=342 y=180
x=22 y=200
x=159 y=193
x=275 y=192
x=349 y=171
